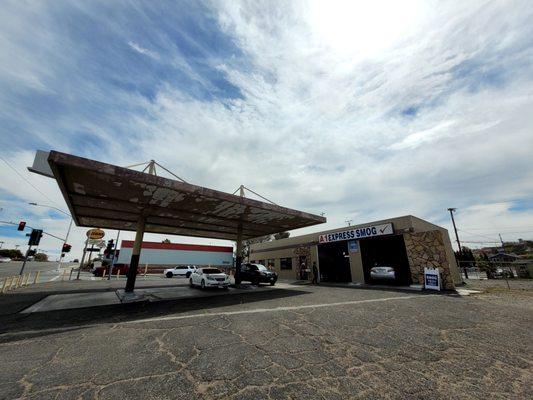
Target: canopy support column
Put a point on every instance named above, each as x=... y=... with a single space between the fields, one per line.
x=135 y=255
x=238 y=258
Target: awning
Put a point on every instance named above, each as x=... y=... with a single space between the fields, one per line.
x=107 y=196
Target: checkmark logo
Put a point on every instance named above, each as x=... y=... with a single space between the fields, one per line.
x=383 y=230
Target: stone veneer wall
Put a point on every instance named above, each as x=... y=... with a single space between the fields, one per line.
x=426 y=249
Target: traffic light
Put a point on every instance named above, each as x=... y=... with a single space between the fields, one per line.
x=35 y=237
x=66 y=248
x=22 y=225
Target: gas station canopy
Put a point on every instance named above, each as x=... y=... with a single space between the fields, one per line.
x=107 y=196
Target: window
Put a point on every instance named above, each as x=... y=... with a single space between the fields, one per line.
x=285 y=263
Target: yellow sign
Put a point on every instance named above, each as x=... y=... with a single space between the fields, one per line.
x=95 y=233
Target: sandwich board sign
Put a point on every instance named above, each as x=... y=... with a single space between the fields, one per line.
x=432 y=279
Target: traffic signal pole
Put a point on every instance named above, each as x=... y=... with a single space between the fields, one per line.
x=113 y=259
x=25 y=259
x=82 y=258
x=64 y=243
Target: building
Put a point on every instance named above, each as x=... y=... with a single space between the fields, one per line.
x=503 y=257
x=157 y=255
x=347 y=254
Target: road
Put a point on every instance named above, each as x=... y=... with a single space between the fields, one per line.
x=289 y=343
x=48 y=270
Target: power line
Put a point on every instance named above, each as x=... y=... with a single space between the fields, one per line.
x=476 y=234
x=26 y=180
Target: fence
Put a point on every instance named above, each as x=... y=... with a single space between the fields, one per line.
x=503 y=270
x=17 y=281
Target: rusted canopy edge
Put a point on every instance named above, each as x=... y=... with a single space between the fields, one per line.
x=222 y=226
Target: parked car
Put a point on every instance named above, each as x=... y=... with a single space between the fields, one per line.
x=209 y=277
x=257 y=273
x=503 y=273
x=5 y=259
x=383 y=272
x=123 y=268
x=180 y=270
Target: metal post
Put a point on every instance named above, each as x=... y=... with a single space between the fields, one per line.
x=238 y=258
x=135 y=256
x=82 y=258
x=114 y=256
x=451 y=210
x=25 y=260
x=64 y=243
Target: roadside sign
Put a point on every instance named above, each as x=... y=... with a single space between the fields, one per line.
x=432 y=280
x=96 y=242
x=95 y=233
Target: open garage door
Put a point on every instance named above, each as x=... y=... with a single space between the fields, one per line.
x=386 y=252
x=334 y=262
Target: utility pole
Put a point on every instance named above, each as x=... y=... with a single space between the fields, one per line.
x=452 y=210
x=501 y=240
x=349 y=222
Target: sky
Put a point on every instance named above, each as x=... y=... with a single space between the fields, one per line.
x=359 y=110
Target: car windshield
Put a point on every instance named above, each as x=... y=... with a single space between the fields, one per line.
x=261 y=267
x=211 y=271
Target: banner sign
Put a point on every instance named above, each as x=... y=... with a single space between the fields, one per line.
x=357 y=233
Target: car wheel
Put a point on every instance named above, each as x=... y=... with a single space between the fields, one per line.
x=169 y=274
x=202 y=284
x=190 y=282
x=188 y=274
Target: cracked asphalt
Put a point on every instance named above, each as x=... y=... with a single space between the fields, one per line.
x=294 y=342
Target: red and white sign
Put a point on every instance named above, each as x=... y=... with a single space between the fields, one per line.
x=357 y=233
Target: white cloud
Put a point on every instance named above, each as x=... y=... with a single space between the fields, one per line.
x=321 y=123
x=142 y=50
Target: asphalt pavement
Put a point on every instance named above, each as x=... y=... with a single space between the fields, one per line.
x=297 y=341
x=48 y=270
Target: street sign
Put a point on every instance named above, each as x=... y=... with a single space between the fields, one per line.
x=96 y=242
x=95 y=233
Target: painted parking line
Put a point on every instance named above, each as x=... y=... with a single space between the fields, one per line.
x=275 y=309
x=222 y=313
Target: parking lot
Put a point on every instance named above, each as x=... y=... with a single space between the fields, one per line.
x=293 y=341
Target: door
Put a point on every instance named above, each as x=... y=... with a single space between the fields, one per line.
x=334 y=262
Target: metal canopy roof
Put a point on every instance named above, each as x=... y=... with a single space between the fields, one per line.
x=107 y=196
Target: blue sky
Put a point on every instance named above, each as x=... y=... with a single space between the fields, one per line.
x=361 y=110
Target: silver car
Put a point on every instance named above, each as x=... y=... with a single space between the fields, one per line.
x=382 y=272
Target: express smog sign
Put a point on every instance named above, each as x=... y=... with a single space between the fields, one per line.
x=357 y=233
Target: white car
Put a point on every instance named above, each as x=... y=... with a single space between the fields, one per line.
x=209 y=277
x=180 y=270
x=382 y=272
x=5 y=259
